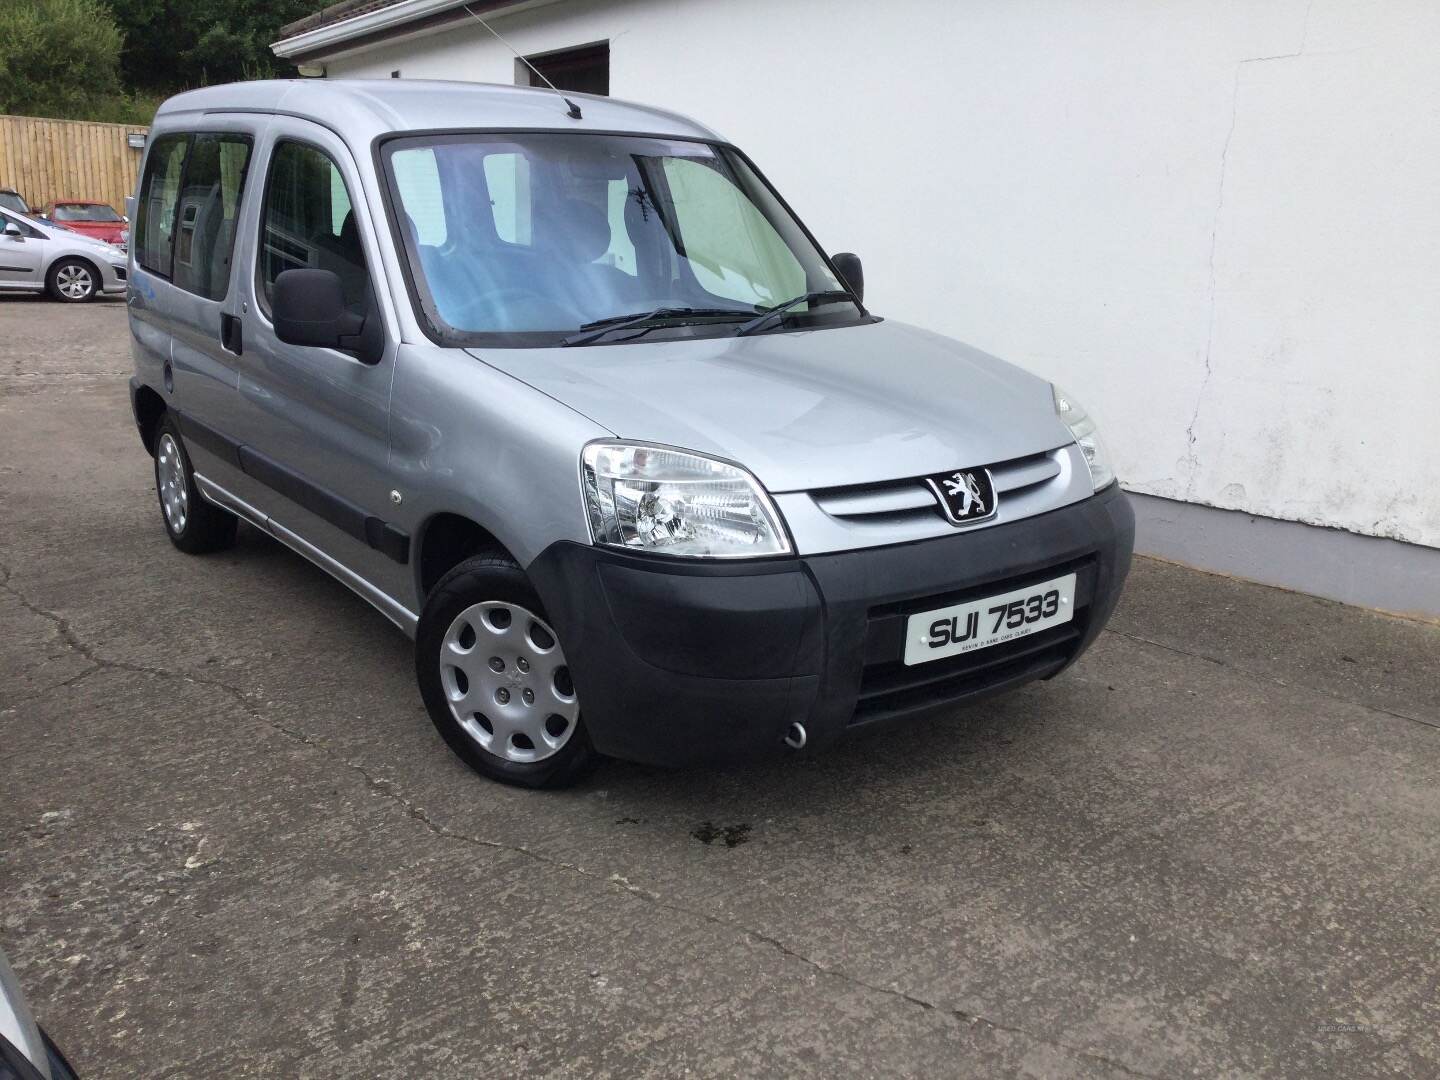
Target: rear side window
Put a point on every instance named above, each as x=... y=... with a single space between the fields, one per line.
x=155 y=213
x=308 y=222
x=189 y=202
x=209 y=203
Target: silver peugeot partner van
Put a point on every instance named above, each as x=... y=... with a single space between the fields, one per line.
x=567 y=392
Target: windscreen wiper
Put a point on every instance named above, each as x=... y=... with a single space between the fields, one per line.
x=779 y=311
x=592 y=331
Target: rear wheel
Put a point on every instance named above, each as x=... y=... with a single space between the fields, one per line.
x=72 y=281
x=495 y=680
x=194 y=525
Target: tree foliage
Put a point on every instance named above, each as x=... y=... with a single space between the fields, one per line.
x=173 y=45
x=115 y=59
x=58 y=58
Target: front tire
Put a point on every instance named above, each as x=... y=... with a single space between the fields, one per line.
x=494 y=679
x=194 y=524
x=72 y=281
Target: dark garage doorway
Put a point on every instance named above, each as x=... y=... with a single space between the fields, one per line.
x=585 y=70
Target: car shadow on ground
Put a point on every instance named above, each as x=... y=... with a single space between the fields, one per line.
x=105 y=299
x=911 y=752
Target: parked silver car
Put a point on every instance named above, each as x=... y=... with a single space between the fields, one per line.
x=26 y=1052
x=36 y=255
x=10 y=199
x=566 y=391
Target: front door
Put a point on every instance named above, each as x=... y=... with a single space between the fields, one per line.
x=22 y=254
x=316 y=421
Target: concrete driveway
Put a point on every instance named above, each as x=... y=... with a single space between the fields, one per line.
x=231 y=844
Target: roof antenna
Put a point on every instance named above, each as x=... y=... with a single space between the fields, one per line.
x=574 y=110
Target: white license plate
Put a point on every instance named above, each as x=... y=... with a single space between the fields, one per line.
x=962 y=628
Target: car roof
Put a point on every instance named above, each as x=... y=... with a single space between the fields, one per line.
x=79 y=202
x=362 y=109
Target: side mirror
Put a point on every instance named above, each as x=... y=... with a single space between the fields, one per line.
x=11 y=229
x=850 y=269
x=308 y=308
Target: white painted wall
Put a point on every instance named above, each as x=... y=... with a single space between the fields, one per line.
x=1217 y=222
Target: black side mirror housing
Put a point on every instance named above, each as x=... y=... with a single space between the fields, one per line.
x=308 y=308
x=848 y=263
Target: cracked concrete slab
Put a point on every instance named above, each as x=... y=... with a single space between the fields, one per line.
x=231 y=843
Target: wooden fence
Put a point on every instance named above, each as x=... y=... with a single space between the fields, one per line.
x=46 y=160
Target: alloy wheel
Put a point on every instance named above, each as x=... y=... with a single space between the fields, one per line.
x=74 y=281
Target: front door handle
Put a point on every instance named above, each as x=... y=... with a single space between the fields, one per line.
x=230 y=336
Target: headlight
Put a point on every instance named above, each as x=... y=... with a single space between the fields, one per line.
x=656 y=499
x=1074 y=416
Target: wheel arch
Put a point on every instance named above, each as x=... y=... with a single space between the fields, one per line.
x=70 y=256
x=149 y=408
x=444 y=540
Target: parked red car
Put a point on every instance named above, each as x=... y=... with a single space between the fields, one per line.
x=95 y=219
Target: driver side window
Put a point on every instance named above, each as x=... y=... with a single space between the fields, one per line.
x=308 y=222
x=10 y=225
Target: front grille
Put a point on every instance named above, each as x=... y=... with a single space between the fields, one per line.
x=889 y=688
x=901 y=501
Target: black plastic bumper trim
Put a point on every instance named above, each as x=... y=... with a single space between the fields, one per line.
x=923 y=676
x=218 y=443
x=681 y=664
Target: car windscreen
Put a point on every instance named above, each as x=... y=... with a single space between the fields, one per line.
x=86 y=212
x=529 y=238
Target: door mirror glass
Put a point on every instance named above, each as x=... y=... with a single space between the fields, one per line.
x=850 y=269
